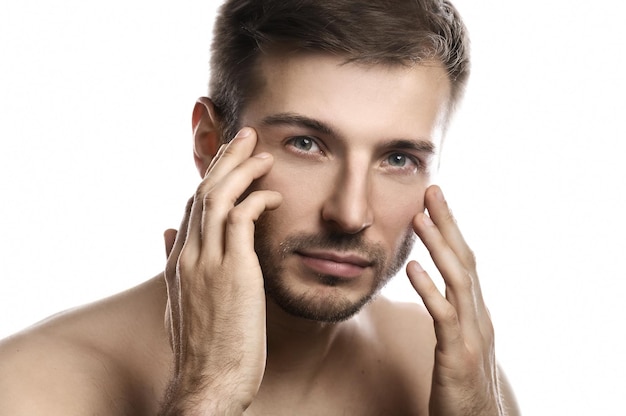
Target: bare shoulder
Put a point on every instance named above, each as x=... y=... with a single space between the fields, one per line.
x=407 y=331
x=91 y=360
x=42 y=374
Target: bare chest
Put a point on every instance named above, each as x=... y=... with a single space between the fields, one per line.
x=378 y=388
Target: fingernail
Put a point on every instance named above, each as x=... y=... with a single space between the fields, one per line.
x=427 y=221
x=418 y=267
x=245 y=132
x=262 y=155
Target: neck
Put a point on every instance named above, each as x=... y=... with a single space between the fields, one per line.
x=298 y=345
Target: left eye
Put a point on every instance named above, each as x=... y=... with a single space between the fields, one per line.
x=398 y=160
x=401 y=160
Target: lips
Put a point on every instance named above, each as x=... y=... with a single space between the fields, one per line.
x=342 y=265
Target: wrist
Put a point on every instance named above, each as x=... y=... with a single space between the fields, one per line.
x=214 y=408
x=191 y=405
x=195 y=397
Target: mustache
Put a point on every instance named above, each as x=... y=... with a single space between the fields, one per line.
x=333 y=241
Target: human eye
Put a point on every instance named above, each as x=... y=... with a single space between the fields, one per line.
x=304 y=144
x=402 y=163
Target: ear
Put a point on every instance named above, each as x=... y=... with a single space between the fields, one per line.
x=206 y=133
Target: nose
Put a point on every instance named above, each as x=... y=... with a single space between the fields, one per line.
x=347 y=207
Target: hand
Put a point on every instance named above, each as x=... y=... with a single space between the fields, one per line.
x=216 y=298
x=465 y=379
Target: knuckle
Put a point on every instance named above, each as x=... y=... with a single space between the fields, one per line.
x=199 y=195
x=205 y=186
x=183 y=266
x=469 y=258
x=189 y=204
x=467 y=281
x=489 y=332
x=449 y=315
x=208 y=200
x=237 y=215
x=449 y=216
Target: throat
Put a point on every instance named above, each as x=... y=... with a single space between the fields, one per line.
x=301 y=346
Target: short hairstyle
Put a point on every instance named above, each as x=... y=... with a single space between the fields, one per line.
x=372 y=32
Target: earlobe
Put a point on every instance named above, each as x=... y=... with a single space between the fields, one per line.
x=206 y=133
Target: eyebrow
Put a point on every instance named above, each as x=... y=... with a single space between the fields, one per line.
x=297 y=120
x=421 y=145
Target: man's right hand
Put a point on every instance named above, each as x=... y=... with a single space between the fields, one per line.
x=216 y=297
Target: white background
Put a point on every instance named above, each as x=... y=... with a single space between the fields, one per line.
x=95 y=162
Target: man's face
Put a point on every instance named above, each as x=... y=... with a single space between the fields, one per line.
x=353 y=149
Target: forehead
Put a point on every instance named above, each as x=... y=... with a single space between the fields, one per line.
x=356 y=99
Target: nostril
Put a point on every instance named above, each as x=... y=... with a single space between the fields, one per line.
x=347 y=219
x=347 y=207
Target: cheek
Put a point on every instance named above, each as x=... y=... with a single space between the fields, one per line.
x=394 y=216
x=396 y=200
x=303 y=191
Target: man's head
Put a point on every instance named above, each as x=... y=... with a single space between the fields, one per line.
x=371 y=32
x=351 y=100
x=353 y=149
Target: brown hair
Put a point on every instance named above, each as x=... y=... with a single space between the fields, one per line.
x=390 y=32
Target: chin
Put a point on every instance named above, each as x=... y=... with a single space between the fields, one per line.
x=328 y=303
x=308 y=292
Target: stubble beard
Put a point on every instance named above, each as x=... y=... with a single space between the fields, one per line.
x=309 y=305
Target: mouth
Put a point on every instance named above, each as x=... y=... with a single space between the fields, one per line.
x=341 y=265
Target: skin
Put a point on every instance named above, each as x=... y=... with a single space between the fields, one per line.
x=226 y=348
x=358 y=157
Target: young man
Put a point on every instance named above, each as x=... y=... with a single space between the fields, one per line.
x=267 y=303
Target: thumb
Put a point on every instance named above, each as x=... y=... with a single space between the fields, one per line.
x=169 y=236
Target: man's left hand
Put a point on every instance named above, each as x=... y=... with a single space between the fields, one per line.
x=465 y=374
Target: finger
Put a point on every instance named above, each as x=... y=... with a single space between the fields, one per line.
x=169 y=236
x=442 y=216
x=173 y=312
x=221 y=200
x=445 y=317
x=458 y=279
x=232 y=154
x=217 y=156
x=177 y=246
x=241 y=219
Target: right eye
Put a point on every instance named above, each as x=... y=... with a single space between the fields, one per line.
x=304 y=144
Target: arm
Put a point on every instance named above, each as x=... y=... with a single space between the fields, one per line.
x=466 y=379
x=216 y=298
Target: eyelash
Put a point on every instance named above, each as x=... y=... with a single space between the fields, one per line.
x=412 y=159
x=417 y=164
x=314 y=142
